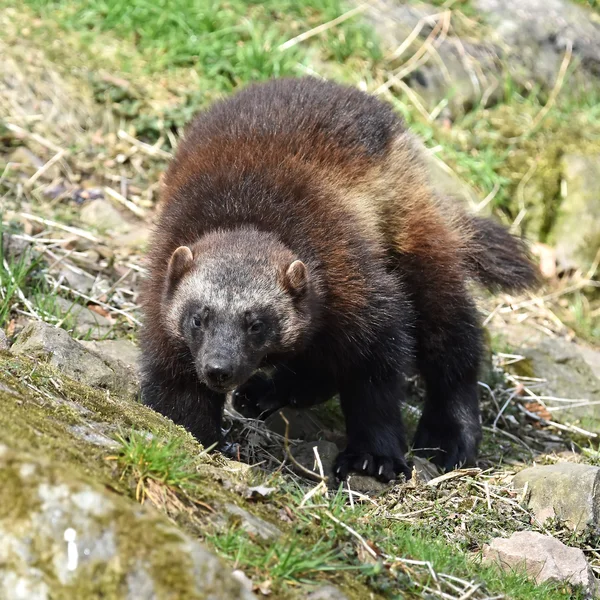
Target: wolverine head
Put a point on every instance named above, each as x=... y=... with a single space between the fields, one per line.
x=234 y=298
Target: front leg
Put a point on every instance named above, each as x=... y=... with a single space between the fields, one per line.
x=295 y=383
x=186 y=401
x=376 y=440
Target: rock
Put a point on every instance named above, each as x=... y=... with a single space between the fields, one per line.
x=304 y=453
x=122 y=350
x=71 y=538
x=303 y=424
x=4 y=344
x=42 y=341
x=135 y=240
x=543 y=557
x=16 y=249
x=570 y=371
x=93 y=435
x=327 y=592
x=253 y=524
x=576 y=230
x=426 y=470
x=103 y=216
x=75 y=279
x=464 y=72
x=85 y=322
x=567 y=490
x=536 y=33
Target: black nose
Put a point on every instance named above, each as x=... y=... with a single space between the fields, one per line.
x=218 y=373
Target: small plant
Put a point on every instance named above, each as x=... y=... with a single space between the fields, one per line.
x=148 y=458
x=286 y=561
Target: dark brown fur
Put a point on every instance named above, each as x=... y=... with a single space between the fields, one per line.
x=334 y=176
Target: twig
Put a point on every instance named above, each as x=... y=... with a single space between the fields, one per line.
x=44 y=168
x=553 y=94
x=34 y=136
x=323 y=27
x=136 y=210
x=147 y=148
x=108 y=307
x=510 y=436
x=286 y=442
x=355 y=534
x=452 y=475
x=560 y=426
x=74 y=230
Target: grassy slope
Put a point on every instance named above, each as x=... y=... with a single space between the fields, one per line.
x=319 y=541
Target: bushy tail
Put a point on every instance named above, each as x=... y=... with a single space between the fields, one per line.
x=498 y=259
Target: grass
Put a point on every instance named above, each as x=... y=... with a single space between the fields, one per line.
x=147 y=458
x=228 y=43
x=279 y=563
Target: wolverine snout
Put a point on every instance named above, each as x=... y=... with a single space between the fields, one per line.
x=222 y=373
x=218 y=372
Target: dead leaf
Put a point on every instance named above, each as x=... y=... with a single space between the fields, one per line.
x=264 y=588
x=538 y=409
x=99 y=310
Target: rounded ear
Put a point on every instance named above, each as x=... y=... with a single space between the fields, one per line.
x=180 y=263
x=296 y=278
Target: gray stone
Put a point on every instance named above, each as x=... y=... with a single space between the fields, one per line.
x=86 y=322
x=122 y=350
x=253 y=524
x=463 y=73
x=103 y=216
x=535 y=33
x=327 y=592
x=75 y=278
x=4 y=345
x=93 y=435
x=426 y=470
x=303 y=425
x=134 y=240
x=569 y=370
x=67 y=533
x=42 y=341
x=567 y=490
x=576 y=231
x=16 y=249
x=543 y=557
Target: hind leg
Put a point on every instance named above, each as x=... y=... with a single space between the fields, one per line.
x=376 y=442
x=449 y=348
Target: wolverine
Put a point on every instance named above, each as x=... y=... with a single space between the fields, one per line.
x=298 y=232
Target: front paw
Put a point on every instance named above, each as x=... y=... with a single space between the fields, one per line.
x=256 y=398
x=384 y=467
x=450 y=442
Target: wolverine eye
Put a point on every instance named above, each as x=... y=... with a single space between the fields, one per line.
x=256 y=327
x=201 y=318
